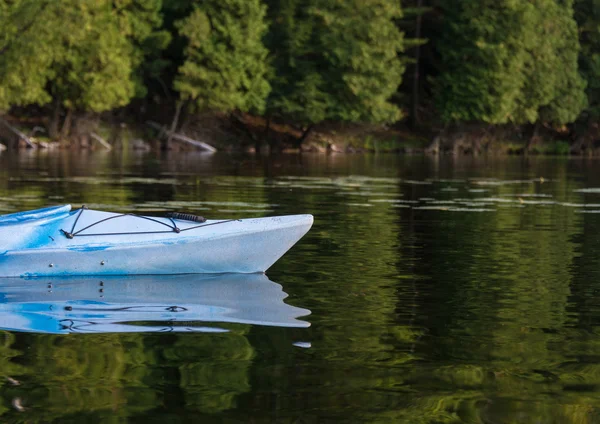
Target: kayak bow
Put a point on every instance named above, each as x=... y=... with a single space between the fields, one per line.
x=58 y=241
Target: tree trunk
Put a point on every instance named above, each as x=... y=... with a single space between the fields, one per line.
x=55 y=122
x=416 y=80
x=266 y=136
x=267 y=127
x=174 y=123
x=240 y=124
x=185 y=118
x=534 y=137
x=304 y=136
x=66 y=128
x=583 y=138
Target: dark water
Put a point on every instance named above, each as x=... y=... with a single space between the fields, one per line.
x=441 y=291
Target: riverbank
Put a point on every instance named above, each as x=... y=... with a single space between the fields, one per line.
x=251 y=134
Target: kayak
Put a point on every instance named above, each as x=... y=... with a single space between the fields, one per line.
x=59 y=241
x=142 y=303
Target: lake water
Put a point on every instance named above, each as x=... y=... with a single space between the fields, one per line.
x=430 y=290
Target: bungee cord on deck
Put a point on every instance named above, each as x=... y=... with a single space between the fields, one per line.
x=171 y=216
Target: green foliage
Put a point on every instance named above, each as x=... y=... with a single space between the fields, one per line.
x=85 y=53
x=100 y=70
x=141 y=22
x=27 y=51
x=587 y=13
x=509 y=61
x=95 y=73
x=225 y=58
x=309 y=61
x=335 y=60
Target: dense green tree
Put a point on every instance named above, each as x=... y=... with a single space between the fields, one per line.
x=335 y=60
x=414 y=24
x=95 y=72
x=306 y=61
x=142 y=22
x=224 y=64
x=28 y=47
x=102 y=68
x=509 y=61
x=554 y=86
x=84 y=54
x=587 y=13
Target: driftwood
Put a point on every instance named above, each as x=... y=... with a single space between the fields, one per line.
x=19 y=134
x=182 y=138
x=40 y=144
x=100 y=140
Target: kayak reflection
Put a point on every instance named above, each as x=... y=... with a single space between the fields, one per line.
x=143 y=303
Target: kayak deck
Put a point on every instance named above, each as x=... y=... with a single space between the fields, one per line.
x=36 y=215
x=89 y=242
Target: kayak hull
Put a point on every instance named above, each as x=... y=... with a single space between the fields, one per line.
x=237 y=246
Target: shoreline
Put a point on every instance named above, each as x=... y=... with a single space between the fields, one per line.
x=256 y=135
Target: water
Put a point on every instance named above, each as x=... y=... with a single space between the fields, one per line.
x=428 y=291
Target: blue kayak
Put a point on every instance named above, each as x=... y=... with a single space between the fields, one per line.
x=59 y=241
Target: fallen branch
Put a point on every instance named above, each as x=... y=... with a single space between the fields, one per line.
x=100 y=140
x=182 y=138
x=19 y=134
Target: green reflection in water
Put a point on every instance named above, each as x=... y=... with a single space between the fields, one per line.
x=442 y=290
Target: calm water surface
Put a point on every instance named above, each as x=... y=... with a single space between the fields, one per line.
x=429 y=290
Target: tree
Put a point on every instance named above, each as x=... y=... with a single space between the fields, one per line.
x=224 y=66
x=102 y=68
x=96 y=72
x=86 y=54
x=509 y=61
x=587 y=14
x=27 y=51
x=335 y=60
x=142 y=22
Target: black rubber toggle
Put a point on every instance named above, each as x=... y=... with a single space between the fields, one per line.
x=67 y=234
x=186 y=217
